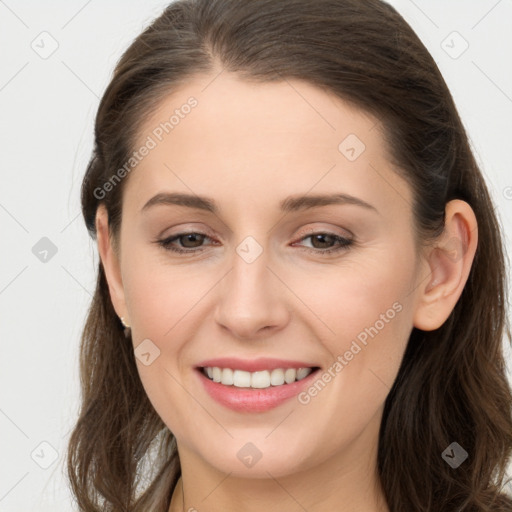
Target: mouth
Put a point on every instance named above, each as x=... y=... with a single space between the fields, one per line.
x=254 y=386
x=262 y=379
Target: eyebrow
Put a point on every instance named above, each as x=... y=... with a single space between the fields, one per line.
x=290 y=204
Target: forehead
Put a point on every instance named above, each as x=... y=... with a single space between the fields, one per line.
x=222 y=133
x=290 y=111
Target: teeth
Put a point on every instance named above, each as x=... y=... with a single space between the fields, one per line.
x=260 y=379
x=303 y=372
x=257 y=380
x=289 y=375
x=277 y=377
x=227 y=377
x=217 y=374
x=241 y=379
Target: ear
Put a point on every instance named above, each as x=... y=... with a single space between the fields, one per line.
x=449 y=263
x=110 y=260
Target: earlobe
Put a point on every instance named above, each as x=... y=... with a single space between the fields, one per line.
x=110 y=262
x=449 y=263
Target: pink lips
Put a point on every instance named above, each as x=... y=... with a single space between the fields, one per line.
x=249 y=399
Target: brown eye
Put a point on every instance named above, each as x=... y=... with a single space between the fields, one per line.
x=191 y=240
x=323 y=239
x=325 y=243
x=187 y=242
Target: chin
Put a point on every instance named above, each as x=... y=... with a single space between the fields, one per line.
x=250 y=461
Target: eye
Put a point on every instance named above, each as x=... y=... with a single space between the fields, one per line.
x=191 y=242
x=193 y=238
x=325 y=238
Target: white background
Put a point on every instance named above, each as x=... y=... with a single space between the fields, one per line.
x=46 y=127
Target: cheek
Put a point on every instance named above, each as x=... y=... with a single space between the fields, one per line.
x=160 y=299
x=163 y=300
x=364 y=315
x=160 y=294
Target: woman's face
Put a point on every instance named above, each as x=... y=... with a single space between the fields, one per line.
x=257 y=286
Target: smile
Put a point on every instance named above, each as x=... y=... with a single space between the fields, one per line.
x=254 y=386
x=258 y=380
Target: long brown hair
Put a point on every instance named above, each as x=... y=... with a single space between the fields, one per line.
x=452 y=383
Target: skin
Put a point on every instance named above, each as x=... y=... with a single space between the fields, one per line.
x=248 y=146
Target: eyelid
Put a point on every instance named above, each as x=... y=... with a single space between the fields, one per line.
x=311 y=231
x=186 y=229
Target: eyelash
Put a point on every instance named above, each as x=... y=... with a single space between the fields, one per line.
x=345 y=243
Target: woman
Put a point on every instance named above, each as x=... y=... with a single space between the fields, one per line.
x=300 y=301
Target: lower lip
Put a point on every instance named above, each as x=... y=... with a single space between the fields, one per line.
x=254 y=400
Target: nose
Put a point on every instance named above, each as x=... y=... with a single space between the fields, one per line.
x=251 y=299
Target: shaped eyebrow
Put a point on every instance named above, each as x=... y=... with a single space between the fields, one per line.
x=290 y=204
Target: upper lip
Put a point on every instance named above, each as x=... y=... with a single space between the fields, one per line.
x=254 y=365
